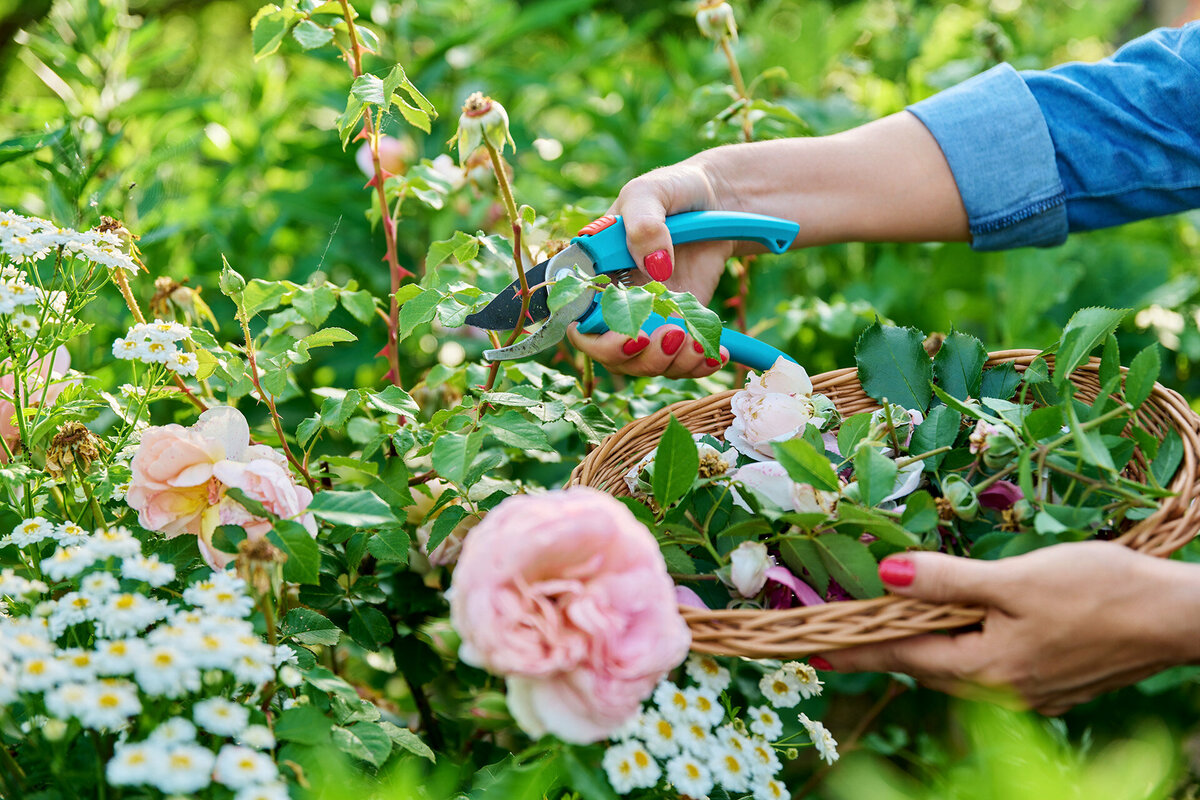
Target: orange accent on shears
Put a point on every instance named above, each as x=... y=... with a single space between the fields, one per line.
x=597 y=225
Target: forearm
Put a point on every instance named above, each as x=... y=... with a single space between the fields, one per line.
x=884 y=181
x=1173 y=615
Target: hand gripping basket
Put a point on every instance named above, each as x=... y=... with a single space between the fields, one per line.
x=802 y=631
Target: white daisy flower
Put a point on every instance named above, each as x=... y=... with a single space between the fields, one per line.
x=821 y=738
x=65 y=701
x=187 y=770
x=128 y=349
x=629 y=766
x=771 y=790
x=220 y=716
x=706 y=671
x=118 y=656
x=731 y=769
x=765 y=722
x=251 y=669
x=163 y=671
x=68 y=533
x=240 y=767
x=27 y=324
x=781 y=688
x=110 y=705
x=703 y=706
x=148 y=569
x=30 y=531
x=128 y=613
x=270 y=791
x=182 y=363
x=763 y=759
x=135 y=763
x=175 y=731
x=79 y=662
x=697 y=738
x=26 y=247
x=673 y=702
x=115 y=543
x=98 y=585
x=16 y=586
x=806 y=678
x=158 y=352
x=661 y=734
x=689 y=776
x=257 y=736
x=40 y=673
x=733 y=741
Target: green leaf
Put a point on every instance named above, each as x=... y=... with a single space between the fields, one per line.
x=1054 y=519
x=805 y=465
x=852 y=432
x=360 y=304
x=1110 y=361
x=514 y=430
x=336 y=410
x=390 y=545
x=370 y=628
x=865 y=520
x=303 y=725
x=626 y=310
x=226 y=538
x=12 y=149
x=591 y=422
x=249 y=503
x=303 y=563
x=850 y=563
x=1170 y=454
x=453 y=454
x=314 y=305
x=1001 y=381
x=1143 y=372
x=394 y=400
x=876 y=475
x=327 y=337
x=365 y=741
x=676 y=465
x=306 y=626
x=444 y=525
x=463 y=246
x=893 y=364
x=368 y=88
x=939 y=429
x=259 y=295
x=802 y=556
x=566 y=289
x=958 y=365
x=585 y=779
x=397 y=79
x=407 y=740
x=702 y=322
x=269 y=26
x=361 y=508
x=920 y=512
x=1044 y=422
x=1037 y=372
x=417 y=311
x=1086 y=329
x=310 y=35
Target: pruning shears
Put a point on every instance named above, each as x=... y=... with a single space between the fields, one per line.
x=600 y=249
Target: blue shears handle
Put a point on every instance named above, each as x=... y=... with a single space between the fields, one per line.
x=609 y=253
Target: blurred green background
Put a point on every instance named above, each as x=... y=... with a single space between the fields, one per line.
x=158 y=114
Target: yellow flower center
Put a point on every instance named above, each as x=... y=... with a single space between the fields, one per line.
x=641 y=759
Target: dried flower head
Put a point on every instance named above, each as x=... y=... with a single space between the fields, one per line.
x=715 y=20
x=73 y=447
x=711 y=465
x=483 y=121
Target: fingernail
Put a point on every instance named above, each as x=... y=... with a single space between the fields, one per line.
x=699 y=348
x=671 y=341
x=658 y=264
x=724 y=357
x=816 y=662
x=712 y=362
x=897 y=571
x=635 y=345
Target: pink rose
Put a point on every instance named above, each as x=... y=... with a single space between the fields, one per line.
x=264 y=480
x=770 y=481
x=784 y=377
x=760 y=419
x=567 y=595
x=172 y=482
x=48 y=369
x=748 y=564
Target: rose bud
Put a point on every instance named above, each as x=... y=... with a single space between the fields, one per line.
x=962 y=497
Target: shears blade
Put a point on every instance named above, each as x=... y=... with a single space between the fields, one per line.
x=504 y=311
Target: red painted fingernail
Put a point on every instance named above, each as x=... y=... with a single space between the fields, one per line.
x=897 y=571
x=671 y=341
x=724 y=357
x=635 y=345
x=819 y=663
x=658 y=264
x=712 y=362
x=699 y=348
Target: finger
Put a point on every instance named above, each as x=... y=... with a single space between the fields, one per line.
x=613 y=350
x=690 y=361
x=941 y=578
x=643 y=204
x=927 y=657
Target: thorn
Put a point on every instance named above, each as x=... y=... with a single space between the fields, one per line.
x=362 y=134
x=383 y=351
x=371 y=183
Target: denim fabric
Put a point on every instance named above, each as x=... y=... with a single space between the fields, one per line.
x=1076 y=147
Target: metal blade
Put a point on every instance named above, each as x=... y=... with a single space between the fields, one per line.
x=546 y=336
x=503 y=312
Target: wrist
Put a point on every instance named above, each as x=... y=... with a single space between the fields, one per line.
x=1179 y=635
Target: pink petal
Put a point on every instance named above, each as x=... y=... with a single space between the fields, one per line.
x=804 y=593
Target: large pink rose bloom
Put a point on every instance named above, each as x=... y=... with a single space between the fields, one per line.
x=49 y=369
x=264 y=480
x=172 y=483
x=567 y=595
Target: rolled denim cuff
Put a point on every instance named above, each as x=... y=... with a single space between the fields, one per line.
x=994 y=137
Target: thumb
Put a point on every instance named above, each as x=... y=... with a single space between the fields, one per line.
x=941 y=578
x=647 y=236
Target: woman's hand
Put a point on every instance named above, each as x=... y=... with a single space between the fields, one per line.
x=1063 y=624
x=645 y=202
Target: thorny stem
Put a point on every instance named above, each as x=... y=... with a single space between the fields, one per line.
x=510 y=207
x=739 y=86
x=270 y=401
x=371 y=134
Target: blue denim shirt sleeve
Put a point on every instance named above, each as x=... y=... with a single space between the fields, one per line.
x=1077 y=147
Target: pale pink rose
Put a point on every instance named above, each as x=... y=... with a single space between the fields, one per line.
x=264 y=480
x=394 y=156
x=688 y=597
x=567 y=595
x=784 y=377
x=760 y=419
x=770 y=481
x=748 y=564
x=172 y=483
x=49 y=371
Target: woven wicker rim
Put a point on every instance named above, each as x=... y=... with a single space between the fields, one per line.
x=802 y=631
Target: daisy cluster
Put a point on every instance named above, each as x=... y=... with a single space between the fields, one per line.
x=98 y=650
x=157 y=342
x=27 y=240
x=683 y=737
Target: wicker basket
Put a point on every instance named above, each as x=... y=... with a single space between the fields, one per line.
x=802 y=631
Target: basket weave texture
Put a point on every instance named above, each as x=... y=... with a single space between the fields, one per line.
x=798 y=632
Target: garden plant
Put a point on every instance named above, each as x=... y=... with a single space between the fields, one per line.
x=273 y=526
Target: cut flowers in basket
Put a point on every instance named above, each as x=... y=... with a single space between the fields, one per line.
x=795 y=503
